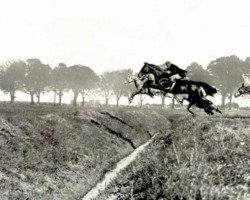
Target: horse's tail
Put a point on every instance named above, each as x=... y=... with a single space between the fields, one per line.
x=211 y=91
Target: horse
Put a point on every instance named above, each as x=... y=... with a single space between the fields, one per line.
x=246 y=80
x=245 y=87
x=242 y=90
x=196 y=91
x=192 y=97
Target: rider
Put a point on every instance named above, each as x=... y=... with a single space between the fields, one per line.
x=175 y=73
x=147 y=80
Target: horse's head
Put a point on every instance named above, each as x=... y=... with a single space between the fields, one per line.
x=130 y=79
x=241 y=91
x=144 y=70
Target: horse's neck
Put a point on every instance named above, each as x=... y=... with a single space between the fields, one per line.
x=156 y=70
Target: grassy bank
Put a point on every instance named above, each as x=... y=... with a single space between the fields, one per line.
x=198 y=158
x=61 y=152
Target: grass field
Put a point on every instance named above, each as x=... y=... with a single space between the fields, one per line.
x=52 y=152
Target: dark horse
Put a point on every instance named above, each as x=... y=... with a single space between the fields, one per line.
x=204 y=104
x=195 y=96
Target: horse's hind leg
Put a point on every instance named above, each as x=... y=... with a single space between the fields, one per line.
x=188 y=108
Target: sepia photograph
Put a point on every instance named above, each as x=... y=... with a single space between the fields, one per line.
x=125 y=100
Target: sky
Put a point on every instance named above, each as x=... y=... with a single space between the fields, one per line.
x=116 y=34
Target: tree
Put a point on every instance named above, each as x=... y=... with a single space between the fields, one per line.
x=197 y=73
x=12 y=78
x=226 y=72
x=106 y=86
x=130 y=88
x=247 y=64
x=82 y=79
x=118 y=83
x=37 y=78
x=59 y=81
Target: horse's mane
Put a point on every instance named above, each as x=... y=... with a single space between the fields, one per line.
x=176 y=70
x=154 y=66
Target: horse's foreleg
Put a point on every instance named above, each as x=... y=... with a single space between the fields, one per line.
x=188 y=108
x=180 y=101
x=133 y=95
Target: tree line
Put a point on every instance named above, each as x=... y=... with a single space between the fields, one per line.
x=35 y=78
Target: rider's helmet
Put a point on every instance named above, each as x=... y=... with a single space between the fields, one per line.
x=168 y=63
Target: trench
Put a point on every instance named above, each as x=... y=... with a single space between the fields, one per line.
x=117 y=134
x=116 y=118
x=110 y=176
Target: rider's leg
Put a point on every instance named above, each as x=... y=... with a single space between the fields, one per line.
x=202 y=93
x=149 y=81
x=148 y=84
x=172 y=86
